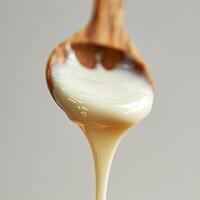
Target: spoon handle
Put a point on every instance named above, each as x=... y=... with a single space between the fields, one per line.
x=107 y=23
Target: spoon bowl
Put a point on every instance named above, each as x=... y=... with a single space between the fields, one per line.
x=103 y=39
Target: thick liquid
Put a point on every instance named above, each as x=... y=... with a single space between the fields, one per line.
x=104 y=104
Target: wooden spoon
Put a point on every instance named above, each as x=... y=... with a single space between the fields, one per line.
x=104 y=35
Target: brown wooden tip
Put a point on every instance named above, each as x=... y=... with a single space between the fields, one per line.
x=109 y=57
x=88 y=54
x=107 y=23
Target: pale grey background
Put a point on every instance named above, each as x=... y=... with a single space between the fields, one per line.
x=43 y=156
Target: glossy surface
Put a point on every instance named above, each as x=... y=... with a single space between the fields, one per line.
x=104 y=103
x=116 y=95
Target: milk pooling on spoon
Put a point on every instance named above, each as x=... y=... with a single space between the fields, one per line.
x=104 y=103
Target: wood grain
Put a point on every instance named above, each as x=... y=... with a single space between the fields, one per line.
x=105 y=34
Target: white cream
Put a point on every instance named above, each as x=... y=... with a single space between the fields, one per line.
x=104 y=103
